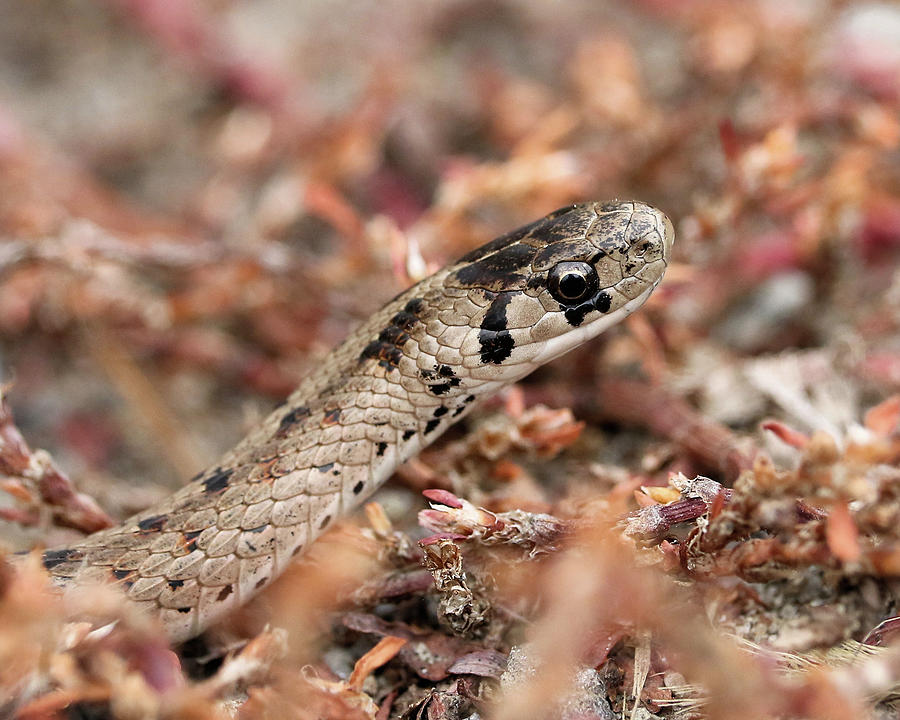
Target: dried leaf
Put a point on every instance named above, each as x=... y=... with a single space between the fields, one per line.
x=384 y=650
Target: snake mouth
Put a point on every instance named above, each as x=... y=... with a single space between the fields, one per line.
x=575 y=336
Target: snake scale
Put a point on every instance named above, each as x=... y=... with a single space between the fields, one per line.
x=414 y=368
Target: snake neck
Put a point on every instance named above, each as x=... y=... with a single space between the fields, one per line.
x=393 y=387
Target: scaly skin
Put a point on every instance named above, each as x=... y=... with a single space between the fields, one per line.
x=408 y=373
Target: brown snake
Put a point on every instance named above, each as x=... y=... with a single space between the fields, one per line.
x=404 y=376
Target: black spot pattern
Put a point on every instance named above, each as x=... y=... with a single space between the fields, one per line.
x=575 y=316
x=217 y=482
x=496 y=347
x=152 y=524
x=601 y=302
x=431 y=425
x=358 y=488
x=440 y=380
x=495 y=318
x=190 y=539
x=404 y=320
x=414 y=306
x=407 y=434
x=290 y=421
x=388 y=348
x=380 y=448
x=52 y=558
x=387 y=356
x=496 y=342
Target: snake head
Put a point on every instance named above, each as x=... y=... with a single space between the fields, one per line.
x=545 y=288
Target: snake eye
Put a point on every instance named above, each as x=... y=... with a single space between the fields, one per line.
x=571 y=283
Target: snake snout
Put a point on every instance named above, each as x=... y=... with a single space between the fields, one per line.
x=651 y=233
x=667 y=230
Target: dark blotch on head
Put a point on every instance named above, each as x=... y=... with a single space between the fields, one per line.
x=407 y=434
x=431 y=425
x=496 y=342
x=358 y=488
x=575 y=316
x=175 y=584
x=603 y=301
x=495 y=346
x=516 y=242
x=291 y=420
x=217 y=482
x=503 y=268
x=185 y=610
x=441 y=410
x=154 y=523
x=224 y=593
x=52 y=558
x=459 y=411
x=380 y=448
x=495 y=317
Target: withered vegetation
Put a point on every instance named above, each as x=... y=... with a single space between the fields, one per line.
x=697 y=515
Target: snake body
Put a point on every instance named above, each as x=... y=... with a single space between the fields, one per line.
x=405 y=375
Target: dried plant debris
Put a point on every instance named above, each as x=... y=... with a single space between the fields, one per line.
x=455 y=518
x=696 y=516
x=464 y=610
x=35 y=481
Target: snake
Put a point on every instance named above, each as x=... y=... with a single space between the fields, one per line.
x=393 y=386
